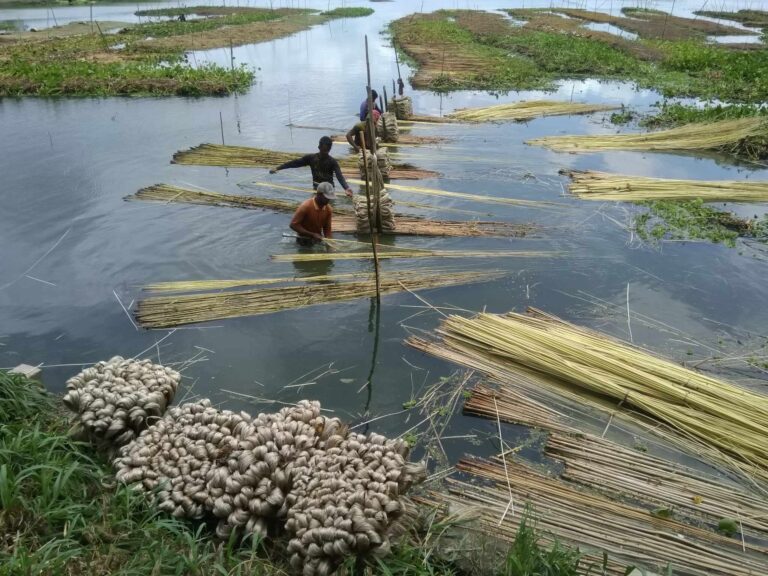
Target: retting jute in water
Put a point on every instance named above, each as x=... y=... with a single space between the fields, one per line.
x=403 y=107
x=387 y=128
x=386 y=209
x=114 y=400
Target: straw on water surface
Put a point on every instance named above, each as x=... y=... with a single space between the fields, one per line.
x=592 y=185
x=732 y=422
x=343 y=221
x=697 y=136
x=249 y=157
x=169 y=311
x=527 y=110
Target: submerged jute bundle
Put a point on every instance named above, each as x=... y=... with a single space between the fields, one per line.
x=403 y=107
x=386 y=209
x=381 y=159
x=114 y=400
x=387 y=128
x=331 y=492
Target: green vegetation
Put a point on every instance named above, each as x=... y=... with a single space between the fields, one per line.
x=469 y=49
x=63 y=514
x=728 y=527
x=349 y=12
x=144 y=59
x=671 y=115
x=751 y=18
x=688 y=220
x=9 y=25
x=624 y=117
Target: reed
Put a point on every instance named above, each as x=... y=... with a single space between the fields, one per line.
x=744 y=136
x=170 y=311
x=344 y=221
x=593 y=185
x=527 y=110
x=248 y=157
x=730 y=421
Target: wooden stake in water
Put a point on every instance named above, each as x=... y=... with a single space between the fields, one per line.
x=221 y=125
x=372 y=132
x=374 y=231
x=386 y=101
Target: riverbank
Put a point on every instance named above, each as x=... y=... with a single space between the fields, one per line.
x=63 y=513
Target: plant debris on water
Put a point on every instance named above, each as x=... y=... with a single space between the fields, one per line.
x=462 y=49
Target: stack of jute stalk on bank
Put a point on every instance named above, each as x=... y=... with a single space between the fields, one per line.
x=169 y=311
x=747 y=137
x=527 y=110
x=248 y=157
x=344 y=220
x=593 y=185
x=730 y=421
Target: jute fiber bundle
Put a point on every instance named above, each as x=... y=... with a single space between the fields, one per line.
x=403 y=107
x=174 y=459
x=386 y=127
x=380 y=159
x=114 y=400
x=744 y=136
x=593 y=185
x=386 y=208
x=332 y=492
x=527 y=110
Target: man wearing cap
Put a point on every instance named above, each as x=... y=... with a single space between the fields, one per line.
x=312 y=220
x=322 y=164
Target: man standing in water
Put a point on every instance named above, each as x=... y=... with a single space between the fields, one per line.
x=322 y=164
x=313 y=218
x=364 y=105
x=360 y=131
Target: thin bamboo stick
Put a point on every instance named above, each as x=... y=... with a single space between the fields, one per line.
x=320 y=257
x=527 y=110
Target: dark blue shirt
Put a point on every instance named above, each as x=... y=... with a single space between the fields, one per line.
x=323 y=169
x=364 y=109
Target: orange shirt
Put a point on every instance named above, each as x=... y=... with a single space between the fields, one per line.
x=313 y=218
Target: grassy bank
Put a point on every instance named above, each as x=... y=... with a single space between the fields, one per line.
x=470 y=49
x=143 y=59
x=62 y=513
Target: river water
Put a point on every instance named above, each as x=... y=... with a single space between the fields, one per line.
x=74 y=255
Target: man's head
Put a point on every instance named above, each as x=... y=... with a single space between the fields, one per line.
x=374 y=96
x=325 y=145
x=324 y=193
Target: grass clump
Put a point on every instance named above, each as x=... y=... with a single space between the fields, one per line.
x=750 y=18
x=348 y=12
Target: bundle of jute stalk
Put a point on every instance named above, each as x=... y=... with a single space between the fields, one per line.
x=114 y=400
x=744 y=136
x=385 y=209
x=380 y=159
x=386 y=127
x=403 y=107
x=527 y=110
x=731 y=420
x=592 y=185
x=176 y=310
x=334 y=493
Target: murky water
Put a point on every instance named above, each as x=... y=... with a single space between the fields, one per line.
x=74 y=255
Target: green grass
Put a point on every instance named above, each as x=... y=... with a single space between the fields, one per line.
x=62 y=514
x=674 y=114
x=349 y=12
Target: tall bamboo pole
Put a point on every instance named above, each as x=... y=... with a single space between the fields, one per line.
x=372 y=132
x=374 y=231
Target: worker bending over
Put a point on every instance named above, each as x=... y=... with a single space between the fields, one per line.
x=313 y=218
x=322 y=164
x=364 y=105
x=359 y=131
